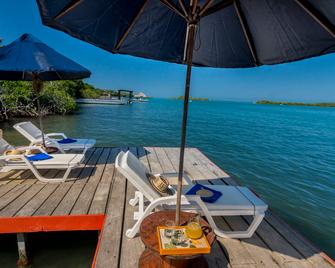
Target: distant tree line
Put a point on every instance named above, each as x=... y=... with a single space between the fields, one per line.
x=17 y=98
x=191 y=98
x=320 y=104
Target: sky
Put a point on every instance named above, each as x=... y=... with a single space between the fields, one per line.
x=311 y=80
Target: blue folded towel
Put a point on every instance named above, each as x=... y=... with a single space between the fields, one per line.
x=39 y=157
x=211 y=199
x=67 y=140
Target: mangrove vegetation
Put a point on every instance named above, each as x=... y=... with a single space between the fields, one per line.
x=321 y=104
x=17 y=98
x=191 y=98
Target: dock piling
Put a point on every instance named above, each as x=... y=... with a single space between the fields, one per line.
x=22 y=250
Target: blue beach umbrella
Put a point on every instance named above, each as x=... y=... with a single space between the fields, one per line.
x=213 y=33
x=28 y=59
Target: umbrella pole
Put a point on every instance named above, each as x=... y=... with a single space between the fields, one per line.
x=40 y=119
x=189 y=58
x=38 y=87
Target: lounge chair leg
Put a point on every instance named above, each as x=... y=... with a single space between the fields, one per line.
x=241 y=234
x=254 y=224
x=138 y=199
x=22 y=250
x=130 y=233
x=43 y=179
x=66 y=174
x=134 y=201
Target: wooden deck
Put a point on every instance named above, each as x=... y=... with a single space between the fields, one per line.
x=96 y=198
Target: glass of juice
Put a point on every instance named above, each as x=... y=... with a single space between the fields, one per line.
x=193 y=229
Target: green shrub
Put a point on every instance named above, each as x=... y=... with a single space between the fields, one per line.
x=89 y=92
x=57 y=99
x=18 y=99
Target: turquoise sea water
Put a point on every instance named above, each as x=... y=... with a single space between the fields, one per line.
x=285 y=153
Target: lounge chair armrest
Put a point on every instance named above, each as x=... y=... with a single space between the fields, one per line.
x=49 y=135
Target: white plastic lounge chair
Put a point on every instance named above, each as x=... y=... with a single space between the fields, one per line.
x=21 y=162
x=34 y=135
x=235 y=201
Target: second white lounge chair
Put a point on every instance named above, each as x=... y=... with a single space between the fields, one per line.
x=22 y=162
x=34 y=135
x=235 y=201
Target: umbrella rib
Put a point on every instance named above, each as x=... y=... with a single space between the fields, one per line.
x=194 y=4
x=67 y=8
x=131 y=25
x=321 y=20
x=173 y=7
x=217 y=7
x=205 y=7
x=246 y=31
x=183 y=8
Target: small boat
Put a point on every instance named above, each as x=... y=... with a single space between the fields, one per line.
x=139 y=100
x=111 y=101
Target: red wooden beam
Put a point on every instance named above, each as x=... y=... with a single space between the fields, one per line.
x=51 y=223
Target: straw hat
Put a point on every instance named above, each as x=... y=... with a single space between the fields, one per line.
x=160 y=184
x=14 y=152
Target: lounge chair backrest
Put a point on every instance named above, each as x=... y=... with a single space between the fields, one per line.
x=4 y=146
x=29 y=131
x=132 y=168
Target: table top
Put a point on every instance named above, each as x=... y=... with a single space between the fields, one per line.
x=148 y=230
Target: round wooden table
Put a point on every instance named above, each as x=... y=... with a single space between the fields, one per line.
x=151 y=258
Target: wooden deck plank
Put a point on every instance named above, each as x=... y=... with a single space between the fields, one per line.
x=98 y=188
x=165 y=162
x=236 y=253
x=212 y=167
x=142 y=155
x=153 y=160
x=48 y=207
x=99 y=202
x=174 y=159
x=157 y=163
x=254 y=245
x=19 y=202
x=57 y=196
x=12 y=179
x=4 y=189
x=131 y=249
x=277 y=243
x=33 y=204
x=300 y=243
x=84 y=200
x=198 y=164
x=29 y=208
x=111 y=235
x=19 y=189
x=67 y=203
x=173 y=154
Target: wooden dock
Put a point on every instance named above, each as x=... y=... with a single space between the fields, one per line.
x=96 y=198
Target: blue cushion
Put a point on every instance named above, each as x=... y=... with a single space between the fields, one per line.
x=39 y=157
x=211 y=199
x=67 y=140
